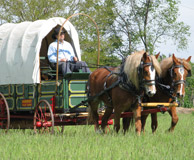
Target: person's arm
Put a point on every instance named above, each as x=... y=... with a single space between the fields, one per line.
x=52 y=54
x=74 y=58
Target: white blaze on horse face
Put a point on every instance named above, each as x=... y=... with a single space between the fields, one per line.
x=181 y=71
x=151 y=89
x=152 y=77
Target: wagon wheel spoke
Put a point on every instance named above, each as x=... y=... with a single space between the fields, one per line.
x=41 y=113
x=43 y=118
x=37 y=115
x=4 y=113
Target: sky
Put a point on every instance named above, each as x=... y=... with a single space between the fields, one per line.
x=186 y=9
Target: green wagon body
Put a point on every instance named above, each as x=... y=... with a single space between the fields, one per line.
x=70 y=92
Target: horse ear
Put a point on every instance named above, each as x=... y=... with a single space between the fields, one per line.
x=157 y=55
x=174 y=58
x=145 y=55
x=188 y=59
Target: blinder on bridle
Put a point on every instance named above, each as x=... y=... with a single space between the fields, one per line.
x=140 y=73
x=171 y=70
x=189 y=73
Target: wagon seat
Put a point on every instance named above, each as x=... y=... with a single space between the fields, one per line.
x=48 y=72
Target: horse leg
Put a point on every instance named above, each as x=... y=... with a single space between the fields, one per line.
x=175 y=118
x=137 y=116
x=126 y=123
x=106 y=117
x=143 y=122
x=93 y=114
x=154 y=123
x=117 y=115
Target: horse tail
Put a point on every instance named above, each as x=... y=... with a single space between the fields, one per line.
x=90 y=119
x=92 y=105
x=92 y=112
x=88 y=87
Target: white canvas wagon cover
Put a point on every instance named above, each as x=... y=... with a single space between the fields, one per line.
x=21 y=45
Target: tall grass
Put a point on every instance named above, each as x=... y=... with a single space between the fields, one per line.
x=81 y=142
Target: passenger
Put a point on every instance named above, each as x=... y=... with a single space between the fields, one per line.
x=67 y=61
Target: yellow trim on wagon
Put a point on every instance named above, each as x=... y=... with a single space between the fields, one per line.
x=76 y=91
x=76 y=95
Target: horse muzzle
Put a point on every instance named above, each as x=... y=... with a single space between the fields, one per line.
x=178 y=95
x=151 y=90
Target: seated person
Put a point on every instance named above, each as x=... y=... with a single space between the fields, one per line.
x=67 y=61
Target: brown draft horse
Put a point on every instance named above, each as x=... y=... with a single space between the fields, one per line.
x=139 y=70
x=170 y=85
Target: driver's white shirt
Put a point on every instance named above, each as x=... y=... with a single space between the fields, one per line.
x=65 y=51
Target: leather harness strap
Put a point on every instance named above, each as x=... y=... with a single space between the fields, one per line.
x=123 y=83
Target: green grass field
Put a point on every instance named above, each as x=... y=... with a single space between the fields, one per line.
x=81 y=142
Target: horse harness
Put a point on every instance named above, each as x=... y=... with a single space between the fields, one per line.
x=174 y=83
x=129 y=86
x=143 y=81
x=123 y=83
x=167 y=89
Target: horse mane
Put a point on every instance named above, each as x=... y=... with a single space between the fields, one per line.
x=132 y=63
x=166 y=63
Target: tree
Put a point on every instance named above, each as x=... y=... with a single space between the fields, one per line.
x=189 y=96
x=149 y=23
x=16 y=11
x=30 y=10
x=102 y=14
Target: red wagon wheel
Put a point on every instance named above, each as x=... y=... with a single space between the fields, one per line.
x=4 y=113
x=43 y=118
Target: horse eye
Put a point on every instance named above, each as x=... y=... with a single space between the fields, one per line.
x=146 y=73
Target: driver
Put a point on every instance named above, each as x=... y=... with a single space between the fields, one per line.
x=67 y=61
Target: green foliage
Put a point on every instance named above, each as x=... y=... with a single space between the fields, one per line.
x=28 y=10
x=150 y=23
x=189 y=91
x=102 y=14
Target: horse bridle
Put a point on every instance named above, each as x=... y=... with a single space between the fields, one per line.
x=142 y=80
x=175 y=83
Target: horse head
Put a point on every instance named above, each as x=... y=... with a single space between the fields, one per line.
x=178 y=73
x=147 y=73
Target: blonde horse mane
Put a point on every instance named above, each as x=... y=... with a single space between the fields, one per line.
x=166 y=63
x=131 y=66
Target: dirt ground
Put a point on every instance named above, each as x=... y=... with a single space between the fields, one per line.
x=184 y=110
